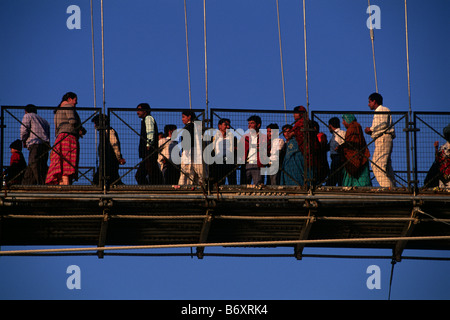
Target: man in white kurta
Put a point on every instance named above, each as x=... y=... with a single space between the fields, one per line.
x=383 y=132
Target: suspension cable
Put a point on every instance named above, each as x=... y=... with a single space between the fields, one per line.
x=229 y=244
x=373 y=51
x=206 y=56
x=103 y=59
x=93 y=75
x=281 y=60
x=393 y=262
x=306 y=56
x=187 y=54
x=407 y=57
x=93 y=56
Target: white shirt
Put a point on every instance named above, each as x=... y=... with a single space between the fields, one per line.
x=381 y=122
x=336 y=140
x=277 y=145
x=252 y=149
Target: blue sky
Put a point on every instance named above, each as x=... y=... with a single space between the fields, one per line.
x=145 y=60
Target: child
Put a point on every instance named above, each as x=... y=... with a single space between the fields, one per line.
x=17 y=165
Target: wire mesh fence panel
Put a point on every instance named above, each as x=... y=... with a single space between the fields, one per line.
x=429 y=137
x=127 y=124
x=408 y=167
x=239 y=125
x=13 y=119
x=383 y=154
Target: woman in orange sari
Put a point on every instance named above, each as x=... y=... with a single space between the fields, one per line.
x=356 y=155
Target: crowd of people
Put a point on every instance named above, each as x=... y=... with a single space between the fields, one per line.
x=301 y=158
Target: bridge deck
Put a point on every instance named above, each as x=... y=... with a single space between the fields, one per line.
x=233 y=215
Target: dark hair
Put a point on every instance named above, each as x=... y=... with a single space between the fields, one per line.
x=335 y=122
x=68 y=95
x=17 y=144
x=377 y=97
x=273 y=126
x=31 y=108
x=96 y=119
x=299 y=109
x=315 y=125
x=255 y=118
x=224 y=120
x=286 y=126
x=169 y=127
x=143 y=106
x=188 y=113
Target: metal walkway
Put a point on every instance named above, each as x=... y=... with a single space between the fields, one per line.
x=132 y=217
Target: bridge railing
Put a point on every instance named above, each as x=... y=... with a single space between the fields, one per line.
x=11 y=123
x=428 y=133
x=400 y=159
x=413 y=151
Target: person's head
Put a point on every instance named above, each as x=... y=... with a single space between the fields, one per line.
x=143 y=110
x=30 y=108
x=334 y=124
x=269 y=128
x=299 y=113
x=347 y=119
x=223 y=125
x=287 y=131
x=254 y=122
x=168 y=129
x=187 y=116
x=375 y=100
x=446 y=132
x=97 y=118
x=16 y=146
x=70 y=97
x=315 y=126
x=160 y=135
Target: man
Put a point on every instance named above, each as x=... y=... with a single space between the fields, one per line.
x=113 y=156
x=225 y=145
x=148 y=171
x=191 y=157
x=254 y=143
x=35 y=135
x=337 y=138
x=383 y=132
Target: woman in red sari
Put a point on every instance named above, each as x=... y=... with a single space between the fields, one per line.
x=65 y=154
x=307 y=141
x=356 y=155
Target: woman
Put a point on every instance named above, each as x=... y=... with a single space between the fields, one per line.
x=355 y=154
x=65 y=154
x=293 y=163
x=443 y=159
x=307 y=142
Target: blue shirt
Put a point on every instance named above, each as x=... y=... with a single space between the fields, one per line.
x=34 y=129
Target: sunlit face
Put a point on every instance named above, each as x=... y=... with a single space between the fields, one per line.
x=287 y=133
x=73 y=101
x=372 y=104
x=269 y=133
x=141 y=113
x=224 y=126
x=253 y=125
x=186 y=119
